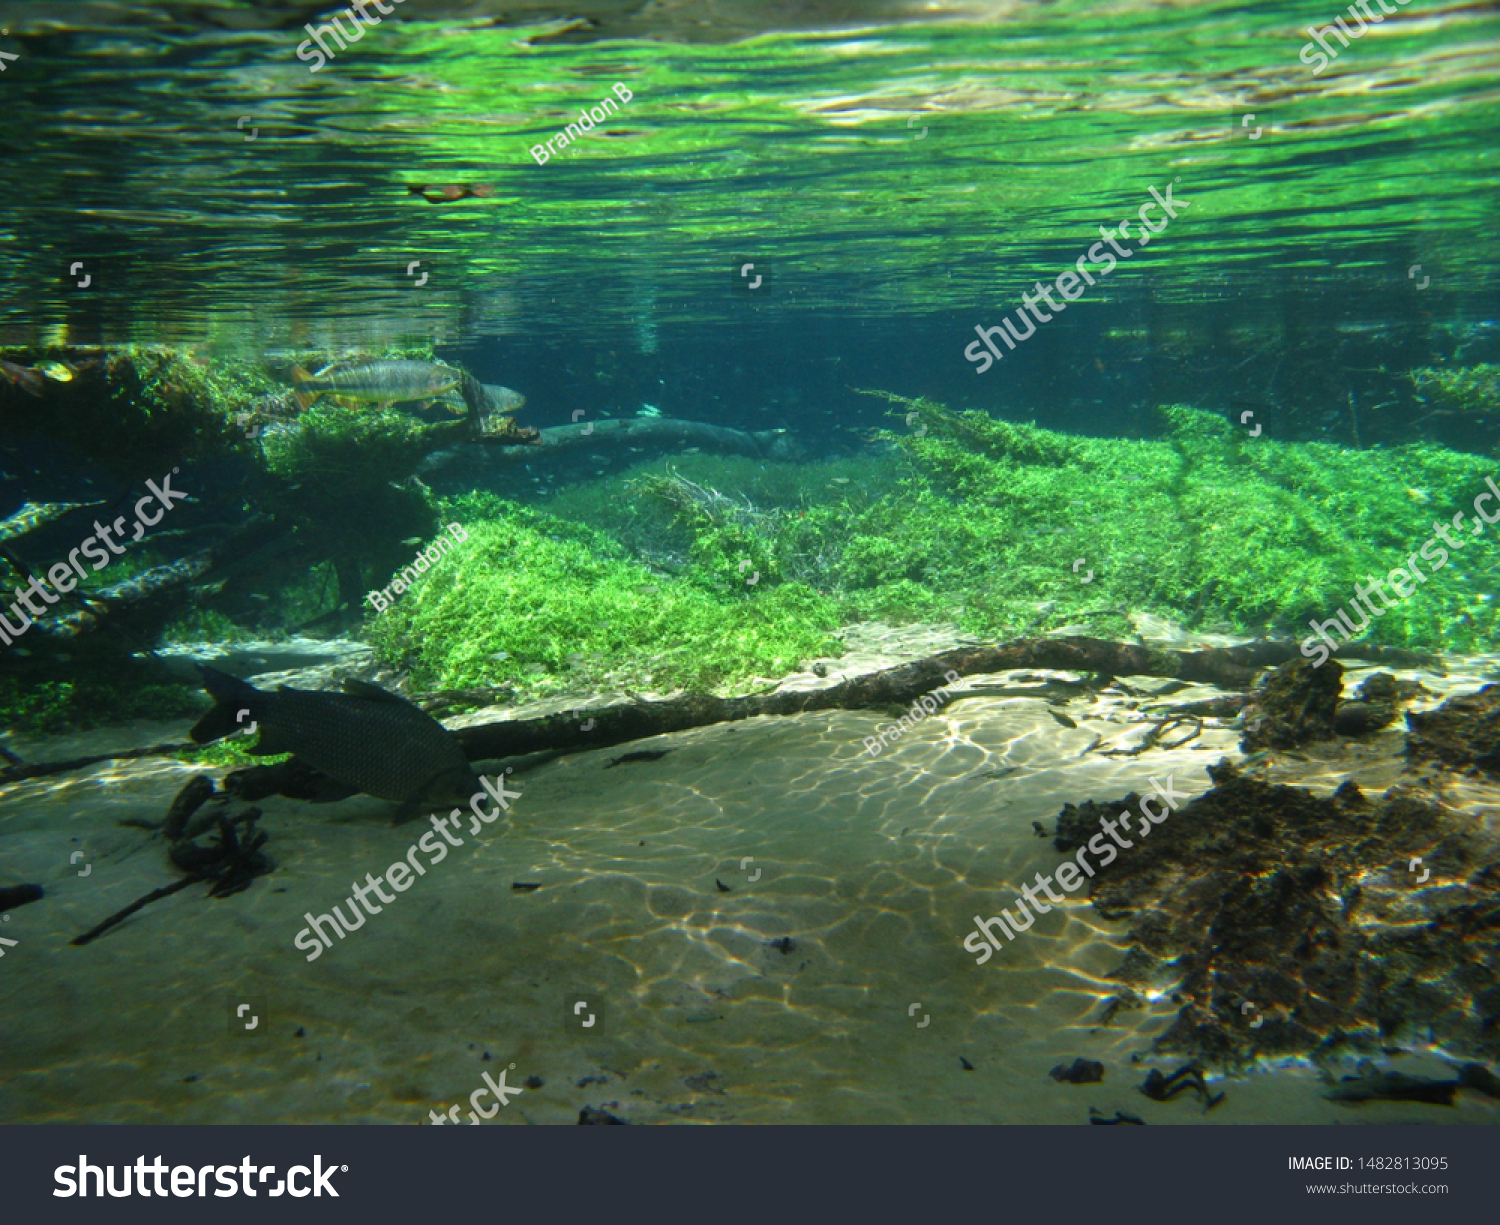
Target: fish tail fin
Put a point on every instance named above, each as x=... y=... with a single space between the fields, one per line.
x=304 y=398
x=232 y=695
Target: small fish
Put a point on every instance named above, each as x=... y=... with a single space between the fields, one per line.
x=55 y=371
x=499 y=656
x=968 y=1067
x=1417 y=495
x=525 y=886
x=24 y=377
x=412 y=540
x=639 y=755
x=1063 y=719
x=723 y=888
x=376 y=382
x=34 y=514
x=450 y=191
x=503 y=400
x=364 y=738
x=648 y=410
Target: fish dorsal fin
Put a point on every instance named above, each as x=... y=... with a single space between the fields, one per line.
x=363 y=689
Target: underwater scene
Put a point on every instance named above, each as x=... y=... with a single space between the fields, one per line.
x=742 y=562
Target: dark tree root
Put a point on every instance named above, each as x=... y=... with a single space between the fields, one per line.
x=231 y=861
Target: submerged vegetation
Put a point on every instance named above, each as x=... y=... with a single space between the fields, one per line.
x=537 y=603
x=979 y=522
x=721 y=572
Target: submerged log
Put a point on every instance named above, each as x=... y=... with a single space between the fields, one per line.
x=256 y=539
x=586 y=727
x=1232 y=668
x=608 y=436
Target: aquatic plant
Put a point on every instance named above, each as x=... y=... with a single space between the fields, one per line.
x=128 y=405
x=80 y=695
x=541 y=605
x=1204 y=524
x=1460 y=389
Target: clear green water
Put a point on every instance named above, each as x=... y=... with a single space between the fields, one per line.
x=807 y=150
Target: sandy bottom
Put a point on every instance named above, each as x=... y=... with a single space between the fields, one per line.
x=667 y=890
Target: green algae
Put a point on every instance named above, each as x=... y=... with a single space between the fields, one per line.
x=534 y=602
x=1206 y=524
x=1460 y=389
x=85 y=697
x=1000 y=528
x=127 y=406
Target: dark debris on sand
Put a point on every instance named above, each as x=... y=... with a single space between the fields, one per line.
x=1267 y=903
x=1121 y=1117
x=1079 y=1072
x=1299 y=704
x=591 y=1116
x=1161 y=1088
x=231 y=860
x=1463 y=733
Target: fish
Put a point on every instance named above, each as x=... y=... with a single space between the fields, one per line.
x=55 y=371
x=494 y=399
x=437 y=194
x=24 y=377
x=640 y=755
x=12 y=896
x=364 y=738
x=376 y=382
x=503 y=400
x=34 y=514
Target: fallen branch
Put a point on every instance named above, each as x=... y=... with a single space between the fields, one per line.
x=1232 y=668
x=40 y=769
x=608 y=436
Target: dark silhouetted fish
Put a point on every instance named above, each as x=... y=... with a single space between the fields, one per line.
x=365 y=738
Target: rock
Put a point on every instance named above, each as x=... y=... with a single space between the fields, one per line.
x=1296 y=705
x=1079 y=1072
x=591 y=1117
x=1463 y=733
